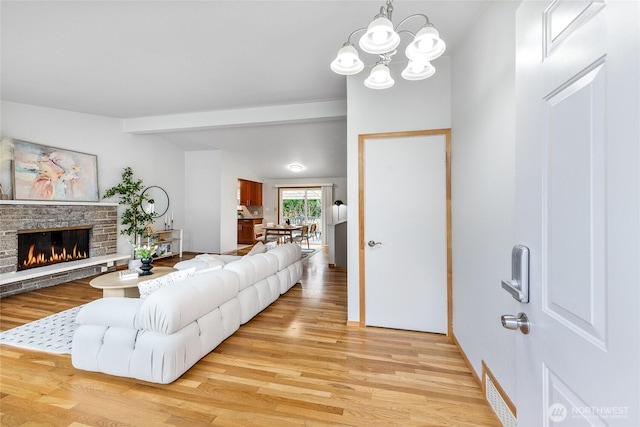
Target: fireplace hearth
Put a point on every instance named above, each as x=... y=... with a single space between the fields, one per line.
x=37 y=248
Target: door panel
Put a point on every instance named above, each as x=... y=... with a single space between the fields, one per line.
x=578 y=210
x=573 y=285
x=405 y=210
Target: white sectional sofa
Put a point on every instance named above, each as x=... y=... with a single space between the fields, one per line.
x=158 y=338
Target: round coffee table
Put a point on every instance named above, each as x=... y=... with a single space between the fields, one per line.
x=113 y=286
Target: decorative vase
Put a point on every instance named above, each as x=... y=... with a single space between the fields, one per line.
x=146 y=266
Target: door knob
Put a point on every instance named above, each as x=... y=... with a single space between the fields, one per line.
x=371 y=243
x=521 y=322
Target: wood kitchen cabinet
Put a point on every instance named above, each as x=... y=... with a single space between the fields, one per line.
x=250 y=193
x=245 y=230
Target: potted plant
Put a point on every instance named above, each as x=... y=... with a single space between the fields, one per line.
x=134 y=219
x=145 y=254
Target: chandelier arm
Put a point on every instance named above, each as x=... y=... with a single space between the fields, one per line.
x=426 y=18
x=354 y=33
x=406 y=31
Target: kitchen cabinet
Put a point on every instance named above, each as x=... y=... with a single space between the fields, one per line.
x=245 y=230
x=250 y=193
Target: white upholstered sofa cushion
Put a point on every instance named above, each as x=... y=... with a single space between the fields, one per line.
x=202 y=264
x=147 y=287
x=117 y=312
x=176 y=306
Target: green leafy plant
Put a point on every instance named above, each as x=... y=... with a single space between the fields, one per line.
x=134 y=219
x=145 y=251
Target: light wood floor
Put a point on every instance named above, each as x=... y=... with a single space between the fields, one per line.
x=296 y=363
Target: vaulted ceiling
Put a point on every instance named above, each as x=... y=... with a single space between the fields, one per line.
x=132 y=59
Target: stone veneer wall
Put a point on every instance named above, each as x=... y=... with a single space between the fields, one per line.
x=14 y=217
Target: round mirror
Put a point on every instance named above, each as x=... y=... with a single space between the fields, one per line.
x=156 y=201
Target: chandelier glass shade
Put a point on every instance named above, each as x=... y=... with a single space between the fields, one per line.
x=347 y=62
x=418 y=70
x=380 y=77
x=426 y=45
x=382 y=39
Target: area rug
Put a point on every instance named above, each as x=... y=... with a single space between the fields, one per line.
x=306 y=253
x=53 y=334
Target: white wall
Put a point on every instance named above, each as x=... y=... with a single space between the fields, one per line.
x=483 y=150
x=416 y=105
x=211 y=184
x=202 y=199
x=152 y=159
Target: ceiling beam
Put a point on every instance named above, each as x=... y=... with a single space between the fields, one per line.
x=277 y=114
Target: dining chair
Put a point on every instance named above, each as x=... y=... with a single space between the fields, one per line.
x=304 y=235
x=313 y=231
x=260 y=236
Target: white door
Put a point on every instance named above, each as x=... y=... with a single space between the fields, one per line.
x=405 y=213
x=577 y=182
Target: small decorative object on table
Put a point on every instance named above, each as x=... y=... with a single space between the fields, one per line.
x=145 y=253
x=146 y=266
x=128 y=274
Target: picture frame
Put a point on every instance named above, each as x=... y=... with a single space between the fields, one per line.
x=41 y=172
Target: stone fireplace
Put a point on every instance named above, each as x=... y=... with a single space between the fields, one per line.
x=98 y=221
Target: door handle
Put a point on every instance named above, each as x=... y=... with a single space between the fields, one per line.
x=512 y=322
x=371 y=243
x=518 y=286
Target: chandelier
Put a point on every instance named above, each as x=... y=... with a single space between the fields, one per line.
x=382 y=39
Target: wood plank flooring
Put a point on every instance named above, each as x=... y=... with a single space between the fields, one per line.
x=296 y=363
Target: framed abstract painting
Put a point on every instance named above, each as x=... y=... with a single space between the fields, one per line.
x=48 y=173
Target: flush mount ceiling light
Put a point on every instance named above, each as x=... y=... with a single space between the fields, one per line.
x=295 y=167
x=382 y=39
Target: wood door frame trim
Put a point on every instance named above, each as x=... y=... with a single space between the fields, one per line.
x=361 y=239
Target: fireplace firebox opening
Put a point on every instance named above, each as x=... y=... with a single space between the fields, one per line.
x=37 y=248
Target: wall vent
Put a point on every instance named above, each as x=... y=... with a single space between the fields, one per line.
x=497 y=402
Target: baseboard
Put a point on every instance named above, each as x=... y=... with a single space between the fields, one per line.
x=492 y=391
x=466 y=359
x=353 y=324
x=498 y=398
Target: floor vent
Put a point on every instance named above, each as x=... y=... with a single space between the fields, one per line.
x=498 y=404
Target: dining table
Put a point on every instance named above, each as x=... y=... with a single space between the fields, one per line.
x=281 y=231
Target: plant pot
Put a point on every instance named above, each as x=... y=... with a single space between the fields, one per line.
x=146 y=266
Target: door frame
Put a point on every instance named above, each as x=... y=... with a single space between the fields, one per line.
x=362 y=138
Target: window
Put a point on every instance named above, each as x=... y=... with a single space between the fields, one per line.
x=301 y=206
